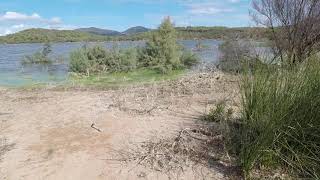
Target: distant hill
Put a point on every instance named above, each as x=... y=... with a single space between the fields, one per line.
x=136 y=30
x=44 y=35
x=98 y=31
x=135 y=33
x=107 y=32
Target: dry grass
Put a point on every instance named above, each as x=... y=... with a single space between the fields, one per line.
x=189 y=148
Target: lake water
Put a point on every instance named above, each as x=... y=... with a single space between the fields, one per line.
x=12 y=73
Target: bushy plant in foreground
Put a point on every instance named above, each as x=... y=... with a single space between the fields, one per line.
x=281 y=118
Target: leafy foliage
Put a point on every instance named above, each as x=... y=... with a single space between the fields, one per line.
x=189 y=59
x=219 y=114
x=98 y=59
x=161 y=53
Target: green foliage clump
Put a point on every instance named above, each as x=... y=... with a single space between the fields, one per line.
x=189 y=59
x=79 y=61
x=219 y=113
x=281 y=118
x=162 y=51
x=40 y=57
x=97 y=59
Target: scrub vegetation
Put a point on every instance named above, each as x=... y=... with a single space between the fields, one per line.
x=40 y=57
x=161 y=53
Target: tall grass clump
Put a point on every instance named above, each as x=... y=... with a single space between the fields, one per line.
x=281 y=118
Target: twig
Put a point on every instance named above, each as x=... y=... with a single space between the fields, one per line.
x=92 y=126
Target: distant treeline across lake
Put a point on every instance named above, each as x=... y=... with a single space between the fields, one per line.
x=96 y=34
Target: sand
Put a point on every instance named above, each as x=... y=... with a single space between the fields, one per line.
x=71 y=134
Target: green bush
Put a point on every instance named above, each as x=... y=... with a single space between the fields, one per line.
x=99 y=59
x=162 y=51
x=189 y=59
x=281 y=118
x=79 y=61
x=40 y=57
x=219 y=113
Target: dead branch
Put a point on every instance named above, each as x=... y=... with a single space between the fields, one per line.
x=93 y=127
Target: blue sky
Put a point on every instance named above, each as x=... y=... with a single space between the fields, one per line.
x=16 y=15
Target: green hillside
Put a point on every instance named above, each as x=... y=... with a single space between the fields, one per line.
x=207 y=33
x=46 y=35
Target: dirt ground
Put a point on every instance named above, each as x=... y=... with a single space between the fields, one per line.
x=76 y=133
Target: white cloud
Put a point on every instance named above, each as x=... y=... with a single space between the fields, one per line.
x=20 y=17
x=14 y=16
x=11 y=22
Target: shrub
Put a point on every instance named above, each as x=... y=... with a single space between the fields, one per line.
x=234 y=52
x=281 y=118
x=99 y=59
x=189 y=59
x=162 y=50
x=79 y=61
x=219 y=113
x=129 y=59
x=40 y=57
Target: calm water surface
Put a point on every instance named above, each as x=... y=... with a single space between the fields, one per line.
x=12 y=73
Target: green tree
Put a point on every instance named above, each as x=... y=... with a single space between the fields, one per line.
x=162 y=51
